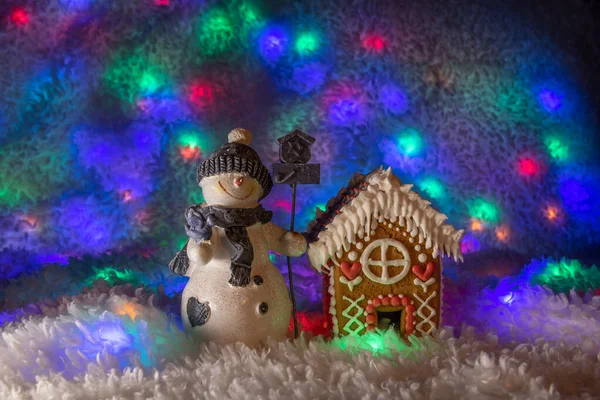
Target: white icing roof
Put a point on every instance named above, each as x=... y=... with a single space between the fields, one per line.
x=385 y=197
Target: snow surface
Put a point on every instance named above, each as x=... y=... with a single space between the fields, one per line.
x=119 y=343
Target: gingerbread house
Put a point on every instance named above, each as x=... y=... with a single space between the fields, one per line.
x=378 y=245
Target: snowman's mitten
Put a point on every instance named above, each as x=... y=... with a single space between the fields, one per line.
x=240 y=275
x=180 y=264
x=197 y=227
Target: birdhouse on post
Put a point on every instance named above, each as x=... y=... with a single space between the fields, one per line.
x=294 y=154
x=294 y=148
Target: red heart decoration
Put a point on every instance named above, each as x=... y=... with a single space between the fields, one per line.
x=351 y=271
x=423 y=275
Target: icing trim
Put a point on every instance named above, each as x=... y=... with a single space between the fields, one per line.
x=354 y=319
x=351 y=283
x=394 y=301
x=384 y=263
x=424 y=285
x=332 y=303
x=384 y=196
x=426 y=319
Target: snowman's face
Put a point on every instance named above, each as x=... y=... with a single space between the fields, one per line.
x=231 y=190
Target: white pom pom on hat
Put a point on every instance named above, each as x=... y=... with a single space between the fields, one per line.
x=240 y=135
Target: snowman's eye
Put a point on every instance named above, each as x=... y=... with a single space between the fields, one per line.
x=263 y=308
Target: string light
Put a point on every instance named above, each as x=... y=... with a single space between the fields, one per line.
x=552 y=213
x=550 y=100
x=476 y=225
x=557 y=148
x=483 y=210
x=528 y=166
x=410 y=142
x=19 y=16
x=273 y=43
x=432 y=187
x=307 y=43
x=374 y=42
x=251 y=16
x=190 y=153
x=216 y=32
x=502 y=233
x=394 y=99
x=201 y=95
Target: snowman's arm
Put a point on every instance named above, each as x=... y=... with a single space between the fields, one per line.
x=283 y=241
x=199 y=254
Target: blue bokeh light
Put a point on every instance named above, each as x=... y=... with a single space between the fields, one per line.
x=308 y=77
x=273 y=43
x=550 y=100
x=394 y=99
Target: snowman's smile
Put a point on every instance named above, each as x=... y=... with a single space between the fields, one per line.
x=235 y=197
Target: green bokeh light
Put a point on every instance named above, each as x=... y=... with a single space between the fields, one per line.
x=130 y=75
x=215 y=32
x=113 y=275
x=52 y=169
x=251 y=16
x=192 y=136
x=432 y=187
x=149 y=83
x=189 y=139
x=307 y=43
x=568 y=274
x=557 y=148
x=380 y=343
x=484 y=210
x=410 y=142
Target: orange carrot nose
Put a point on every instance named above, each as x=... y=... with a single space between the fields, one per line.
x=238 y=181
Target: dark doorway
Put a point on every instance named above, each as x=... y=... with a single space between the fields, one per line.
x=390 y=319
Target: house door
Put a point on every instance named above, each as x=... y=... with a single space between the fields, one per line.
x=391 y=318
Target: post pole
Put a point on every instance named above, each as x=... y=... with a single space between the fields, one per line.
x=289 y=264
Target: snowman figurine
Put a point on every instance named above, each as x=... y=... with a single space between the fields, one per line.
x=235 y=293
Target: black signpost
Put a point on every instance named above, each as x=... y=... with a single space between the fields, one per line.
x=294 y=154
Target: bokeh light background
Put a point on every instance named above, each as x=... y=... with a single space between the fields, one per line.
x=107 y=106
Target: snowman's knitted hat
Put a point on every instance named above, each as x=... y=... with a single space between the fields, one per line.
x=237 y=156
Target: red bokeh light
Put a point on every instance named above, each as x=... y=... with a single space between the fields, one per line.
x=162 y=2
x=19 y=17
x=374 y=42
x=190 y=153
x=201 y=94
x=310 y=322
x=528 y=166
